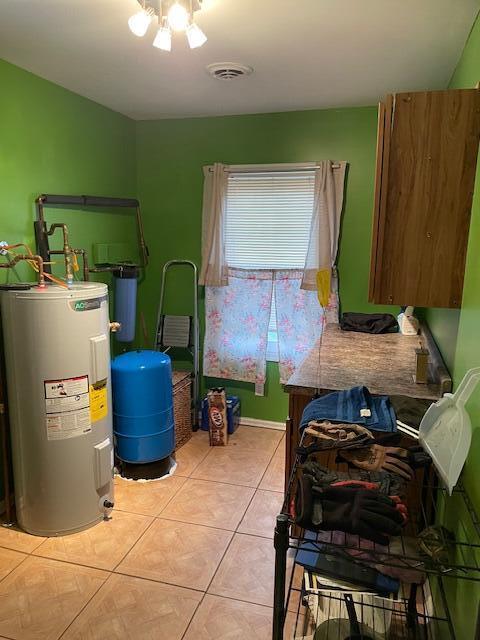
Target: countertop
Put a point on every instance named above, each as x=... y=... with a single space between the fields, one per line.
x=384 y=363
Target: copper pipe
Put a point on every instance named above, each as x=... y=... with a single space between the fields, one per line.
x=33 y=258
x=67 y=251
x=77 y=252
x=83 y=253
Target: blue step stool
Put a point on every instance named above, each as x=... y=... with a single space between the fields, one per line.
x=233 y=414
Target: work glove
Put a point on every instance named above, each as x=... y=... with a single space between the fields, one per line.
x=328 y=436
x=386 y=483
x=362 y=512
x=378 y=458
x=338 y=435
x=392 y=459
x=400 y=506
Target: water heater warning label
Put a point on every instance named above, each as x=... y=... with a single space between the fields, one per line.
x=98 y=401
x=67 y=405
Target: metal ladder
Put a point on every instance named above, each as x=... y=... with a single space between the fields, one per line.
x=181 y=331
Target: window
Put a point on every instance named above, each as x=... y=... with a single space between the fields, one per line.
x=268 y=218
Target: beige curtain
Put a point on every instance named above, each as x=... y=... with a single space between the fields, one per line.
x=214 y=270
x=325 y=229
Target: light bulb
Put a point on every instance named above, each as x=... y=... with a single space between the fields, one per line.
x=178 y=17
x=163 y=39
x=195 y=36
x=139 y=22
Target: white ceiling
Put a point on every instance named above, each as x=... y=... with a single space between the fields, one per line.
x=306 y=53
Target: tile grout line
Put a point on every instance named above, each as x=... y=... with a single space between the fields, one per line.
x=71 y=564
x=253 y=496
x=196 y=524
x=134 y=544
x=18 y=565
x=278 y=445
x=239 y=599
x=221 y=559
x=193 y=615
x=245 y=512
x=256 y=604
x=269 y=463
x=214 y=595
x=223 y=555
x=227 y=547
x=85 y=606
x=198 y=463
x=211 y=580
x=237 y=484
x=89 y=566
x=154 y=581
x=171 y=498
x=231 y=484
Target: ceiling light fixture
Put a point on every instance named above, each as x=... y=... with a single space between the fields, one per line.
x=163 y=39
x=178 y=17
x=195 y=36
x=140 y=21
x=173 y=15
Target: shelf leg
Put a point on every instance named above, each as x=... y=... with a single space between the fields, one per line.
x=281 y=543
x=412 y=617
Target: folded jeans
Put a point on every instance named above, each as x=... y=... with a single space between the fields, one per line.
x=355 y=406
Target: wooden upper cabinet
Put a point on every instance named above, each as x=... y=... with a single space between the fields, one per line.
x=426 y=159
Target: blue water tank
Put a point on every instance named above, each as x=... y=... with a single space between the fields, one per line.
x=143 y=406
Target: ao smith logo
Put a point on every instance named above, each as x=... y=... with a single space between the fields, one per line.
x=86 y=305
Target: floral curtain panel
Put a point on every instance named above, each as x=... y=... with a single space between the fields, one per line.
x=299 y=321
x=237 y=317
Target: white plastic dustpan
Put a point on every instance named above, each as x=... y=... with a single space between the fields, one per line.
x=446 y=431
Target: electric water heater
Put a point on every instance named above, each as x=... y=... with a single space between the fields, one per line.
x=57 y=355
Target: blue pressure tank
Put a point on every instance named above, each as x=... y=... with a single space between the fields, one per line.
x=143 y=406
x=125 y=278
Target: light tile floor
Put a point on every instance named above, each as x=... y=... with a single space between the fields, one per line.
x=185 y=558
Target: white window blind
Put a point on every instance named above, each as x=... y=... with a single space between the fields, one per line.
x=268 y=219
x=268 y=216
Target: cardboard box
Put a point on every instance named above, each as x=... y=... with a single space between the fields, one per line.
x=217 y=417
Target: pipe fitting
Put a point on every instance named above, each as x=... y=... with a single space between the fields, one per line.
x=67 y=250
x=32 y=258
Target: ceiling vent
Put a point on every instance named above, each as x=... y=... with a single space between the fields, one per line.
x=228 y=70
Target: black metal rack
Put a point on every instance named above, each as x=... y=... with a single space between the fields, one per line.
x=420 y=611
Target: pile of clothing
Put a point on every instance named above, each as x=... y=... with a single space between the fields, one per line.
x=365 y=508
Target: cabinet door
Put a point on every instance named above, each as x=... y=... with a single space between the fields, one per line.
x=425 y=198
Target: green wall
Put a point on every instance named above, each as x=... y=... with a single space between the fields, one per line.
x=170 y=156
x=54 y=141
x=457 y=332
x=445 y=323
x=458 y=335
x=467 y=354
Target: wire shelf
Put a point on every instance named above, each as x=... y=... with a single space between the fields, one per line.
x=428 y=502
x=421 y=609
x=418 y=615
